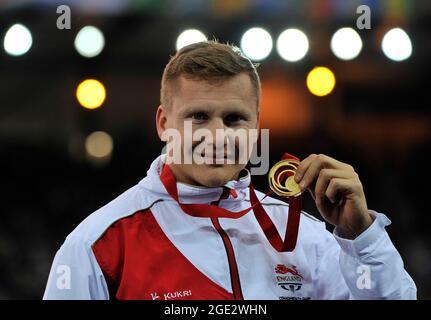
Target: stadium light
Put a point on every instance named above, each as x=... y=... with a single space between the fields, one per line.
x=99 y=145
x=346 y=44
x=321 y=81
x=292 y=45
x=188 y=37
x=256 y=44
x=18 y=40
x=91 y=94
x=89 y=42
x=396 y=45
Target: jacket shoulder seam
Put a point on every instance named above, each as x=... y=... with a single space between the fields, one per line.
x=123 y=217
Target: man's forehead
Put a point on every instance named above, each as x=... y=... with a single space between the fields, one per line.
x=238 y=88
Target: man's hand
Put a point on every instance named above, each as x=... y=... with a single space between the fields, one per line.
x=337 y=191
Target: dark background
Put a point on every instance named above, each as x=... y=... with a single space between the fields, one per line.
x=376 y=119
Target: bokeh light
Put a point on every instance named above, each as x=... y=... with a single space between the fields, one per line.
x=18 y=40
x=256 y=44
x=99 y=145
x=91 y=93
x=346 y=44
x=292 y=45
x=321 y=81
x=396 y=45
x=89 y=41
x=188 y=37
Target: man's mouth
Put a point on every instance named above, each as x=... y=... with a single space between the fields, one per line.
x=216 y=158
x=212 y=155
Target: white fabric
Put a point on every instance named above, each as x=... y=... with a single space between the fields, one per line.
x=331 y=267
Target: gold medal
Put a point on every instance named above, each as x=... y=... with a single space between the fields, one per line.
x=281 y=179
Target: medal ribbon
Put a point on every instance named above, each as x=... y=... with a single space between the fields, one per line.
x=265 y=222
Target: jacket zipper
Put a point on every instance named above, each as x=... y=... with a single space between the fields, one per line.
x=233 y=267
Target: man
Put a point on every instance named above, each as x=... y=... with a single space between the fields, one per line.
x=153 y=241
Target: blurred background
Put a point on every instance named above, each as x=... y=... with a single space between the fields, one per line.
x=77 y=107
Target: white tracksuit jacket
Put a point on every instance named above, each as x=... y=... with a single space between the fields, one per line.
x=142 y=245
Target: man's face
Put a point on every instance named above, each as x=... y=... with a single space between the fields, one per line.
x=230 y=104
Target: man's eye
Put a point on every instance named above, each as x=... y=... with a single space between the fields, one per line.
x=233 y=118
x=199 y=116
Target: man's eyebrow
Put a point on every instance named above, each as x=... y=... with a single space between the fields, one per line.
x=194 y=109
x=186 y=111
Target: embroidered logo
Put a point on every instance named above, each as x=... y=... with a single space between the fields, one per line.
x=288 y=278
x=172 y=295
x=154 y=296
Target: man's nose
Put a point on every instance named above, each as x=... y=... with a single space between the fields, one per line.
x=216 y=124
x=217 y=128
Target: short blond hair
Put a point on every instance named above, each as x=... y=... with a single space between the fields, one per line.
x=210 y=61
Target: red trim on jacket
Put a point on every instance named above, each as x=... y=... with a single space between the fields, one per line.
x=140 y=262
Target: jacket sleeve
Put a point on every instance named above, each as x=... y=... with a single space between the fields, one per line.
x=75 y=274
x=368 y=267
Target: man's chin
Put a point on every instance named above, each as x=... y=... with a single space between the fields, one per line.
x=217 y=175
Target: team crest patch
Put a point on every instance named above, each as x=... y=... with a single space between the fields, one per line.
x=288 y=278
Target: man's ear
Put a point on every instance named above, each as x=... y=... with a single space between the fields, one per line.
x=161 y=120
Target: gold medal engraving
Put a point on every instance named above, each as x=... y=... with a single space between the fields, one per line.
x=281 y=179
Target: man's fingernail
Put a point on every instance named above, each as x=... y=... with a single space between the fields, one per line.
x=298 y=177
x=302 y=184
